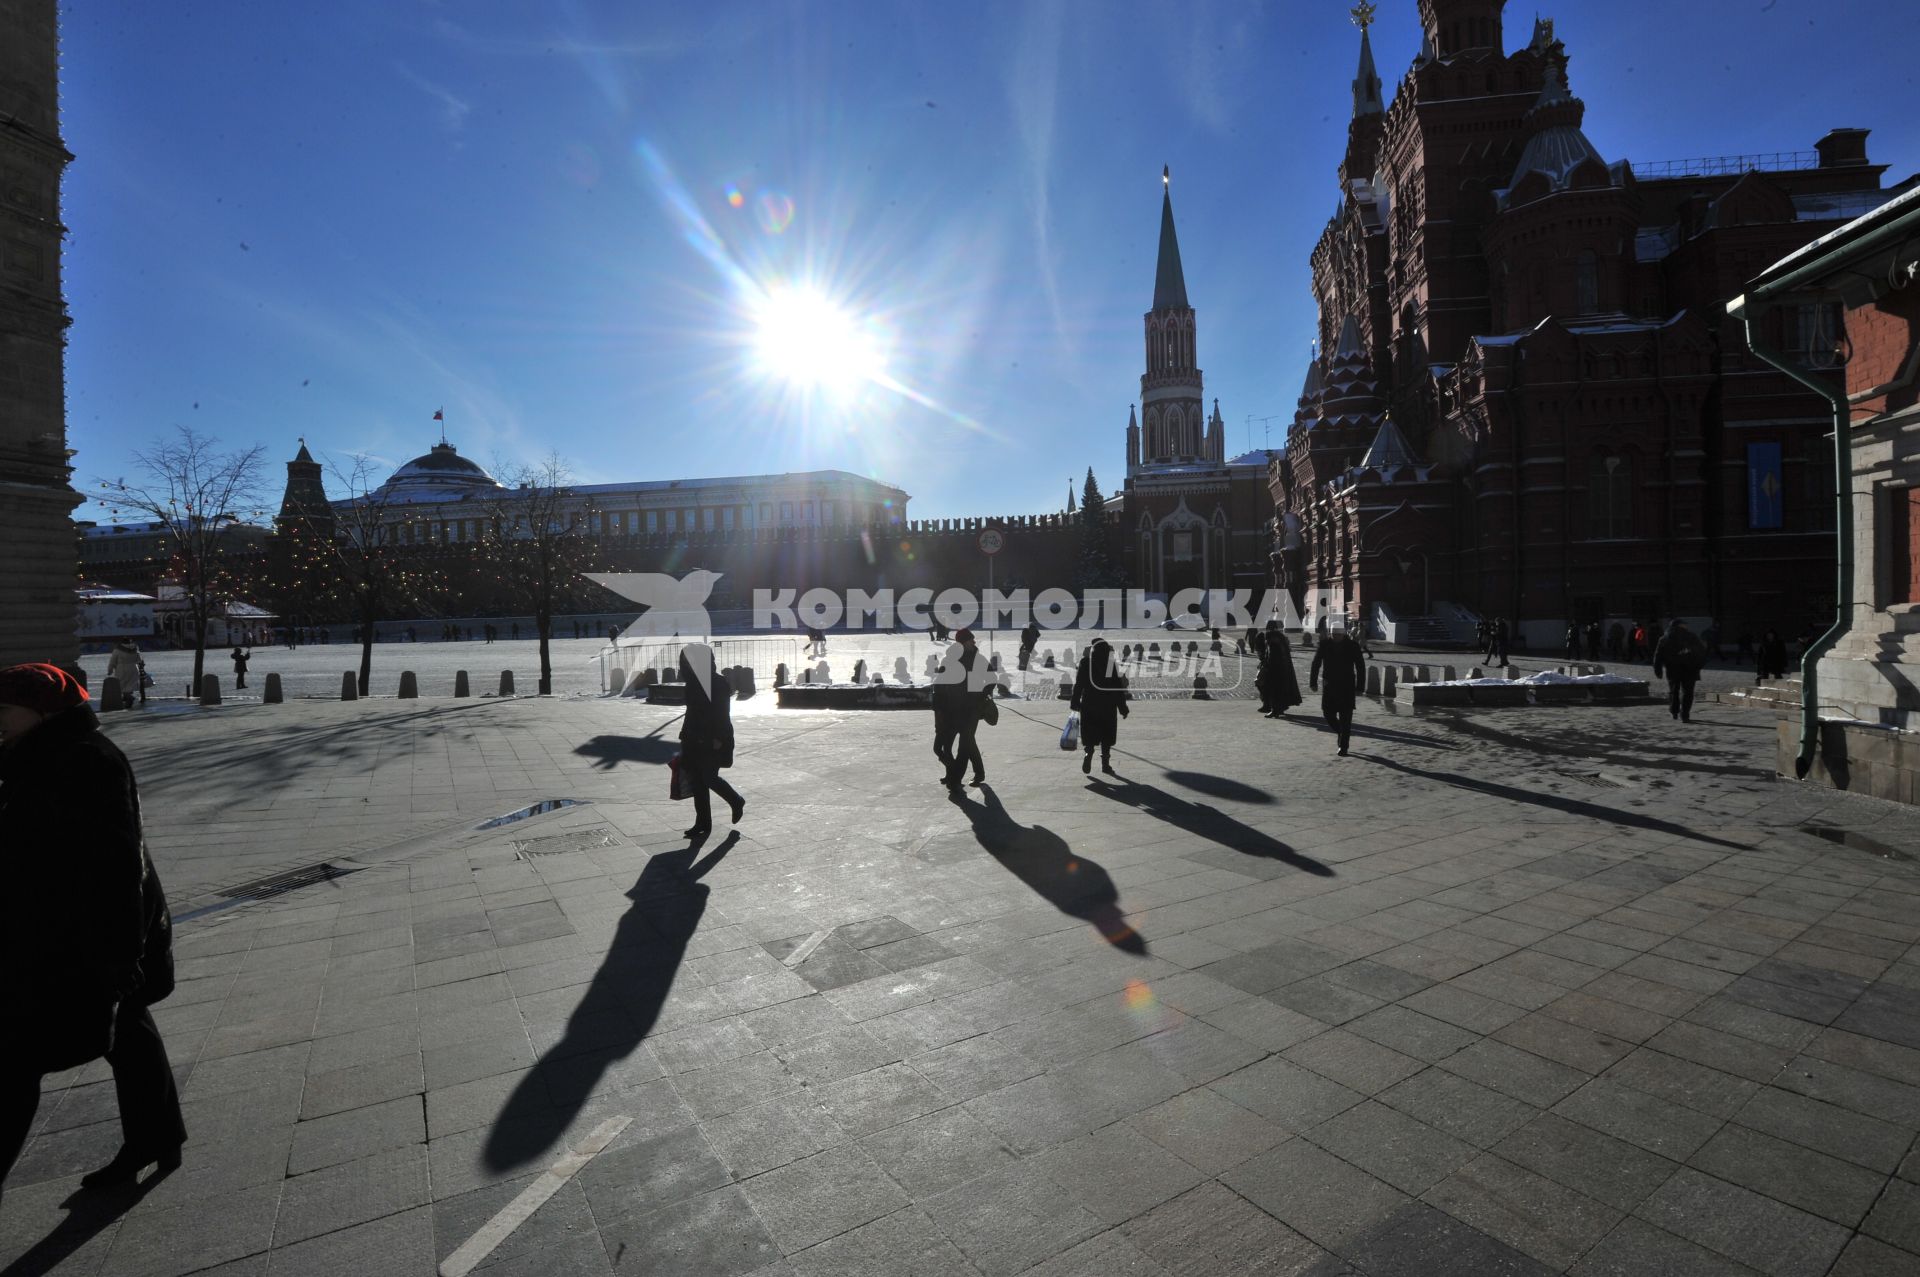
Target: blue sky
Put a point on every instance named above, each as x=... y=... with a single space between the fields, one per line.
x=330 y=220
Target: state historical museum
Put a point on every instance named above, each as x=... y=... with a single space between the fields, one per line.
x=1529 y=400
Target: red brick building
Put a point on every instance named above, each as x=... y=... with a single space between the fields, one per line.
x=1531 y=402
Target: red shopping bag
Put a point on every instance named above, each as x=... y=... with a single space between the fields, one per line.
x=677 y=788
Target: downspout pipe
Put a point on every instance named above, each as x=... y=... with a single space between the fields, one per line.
x=1749 y=311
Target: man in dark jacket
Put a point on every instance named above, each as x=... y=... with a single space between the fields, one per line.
x=1339 y=671
x=1680 y=655
x=86 y=934
x=958 y=698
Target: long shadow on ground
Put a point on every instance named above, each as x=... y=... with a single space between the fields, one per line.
x=1041 y=858
x=1572 y=806
x=89 y=1213
x=618 y=1010
x=1206 y=822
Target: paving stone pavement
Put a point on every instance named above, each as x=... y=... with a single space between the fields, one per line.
x=1526 y=991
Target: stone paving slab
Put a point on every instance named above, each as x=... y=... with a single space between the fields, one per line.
x=1533 y=991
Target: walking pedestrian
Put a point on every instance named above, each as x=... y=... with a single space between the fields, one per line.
x=964 y=686
x=86 y=936
x=706 y=738
x=1279 y=686
x=1339 y=671
x=1100 y=694
x=1682 y=655
x=240 y=658
x=1773 y=655
x=127 y=665
x=1573 y=641
x=1593 y=640
x=1029 y=639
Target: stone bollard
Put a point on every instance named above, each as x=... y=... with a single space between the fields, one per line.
x=1476 y=672
x=1509 y=672
x=744 y=686
x=272 y=694
x=1048 y=663
x=1408 y=674
x=1373 y=680
x=1066 y=690
x=1426 y=673
x=1200 y=688
x=1389 y=679
x=110 y=694
x=209 y=689
x=780 y=675
x=409 y=686
x=506 y=682
x=1447 y=674
x=462 y=688
x=860 y=670
x=349 y=687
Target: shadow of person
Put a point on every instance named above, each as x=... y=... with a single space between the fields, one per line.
x=1219 y=787
x=1037 y=856
x=89 y=1212
x=1206 y=822
x=609 y=751
x=617 y=1011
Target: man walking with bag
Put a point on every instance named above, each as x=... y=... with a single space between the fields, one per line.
x=1100 y=696
x=1680 y=655
x=962 y=694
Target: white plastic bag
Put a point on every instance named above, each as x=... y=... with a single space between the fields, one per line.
x=1070 y=734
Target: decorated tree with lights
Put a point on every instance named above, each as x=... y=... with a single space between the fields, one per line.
x=195 y=493
x=377 y=565
x=538 y=539
x=1096 y=569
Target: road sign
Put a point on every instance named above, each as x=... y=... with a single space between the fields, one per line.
x=991 y=540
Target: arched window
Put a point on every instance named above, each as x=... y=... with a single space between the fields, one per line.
x=1587 y=284
x=1610 y=497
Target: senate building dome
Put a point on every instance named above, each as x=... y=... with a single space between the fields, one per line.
x=441 y=475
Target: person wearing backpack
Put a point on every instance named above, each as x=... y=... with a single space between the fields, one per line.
x=1680 y=656
x=84 y=926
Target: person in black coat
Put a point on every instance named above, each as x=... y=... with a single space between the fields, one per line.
x=1100 y=694
x=1339 y=671
x=1681 y=656
x=1773 y=655
x=86 y=935
x=706 y=738
x=1278 y=685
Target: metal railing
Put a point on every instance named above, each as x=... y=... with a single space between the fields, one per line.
x=1727 y=165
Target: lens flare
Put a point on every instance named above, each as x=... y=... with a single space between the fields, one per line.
x=1138 y=996
x=775 y=212
x=735 y=197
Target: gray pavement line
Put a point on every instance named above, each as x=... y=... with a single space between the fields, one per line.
x=518 y=1211
x=807 y=947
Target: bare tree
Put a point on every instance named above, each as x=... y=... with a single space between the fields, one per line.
x=374 y=562
x=538 y=537
x=195 y=492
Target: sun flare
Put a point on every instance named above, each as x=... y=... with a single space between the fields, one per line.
x=804 y=338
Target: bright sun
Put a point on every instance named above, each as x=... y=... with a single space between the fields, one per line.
x=805 y=339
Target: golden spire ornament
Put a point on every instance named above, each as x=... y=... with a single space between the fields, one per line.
x=1363 y=14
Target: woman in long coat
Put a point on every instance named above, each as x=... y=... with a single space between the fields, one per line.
x=1100 y=694
x=1279 y=685
x=84 y=928
x=706 y=737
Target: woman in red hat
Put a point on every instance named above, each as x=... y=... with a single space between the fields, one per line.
x=84 y=930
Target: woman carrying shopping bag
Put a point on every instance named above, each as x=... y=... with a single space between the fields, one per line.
x=1100 y=696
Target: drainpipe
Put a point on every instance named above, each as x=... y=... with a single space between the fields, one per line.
x=1842 y=535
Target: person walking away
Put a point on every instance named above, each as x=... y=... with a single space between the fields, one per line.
x=87 y=938
x=1773 y=655
x=1339 y=671
x=1279 y=685
x=1593 y=640
x=1573 y=641
x=706 y=737
x=1100 y=695
x=965 y=684
x=1029 y=639
x=240 y=658
x=127 y=665
x=945 y=708
x=1681 y=655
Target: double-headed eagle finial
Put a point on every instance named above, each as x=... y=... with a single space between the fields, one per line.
x=1363 y=14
